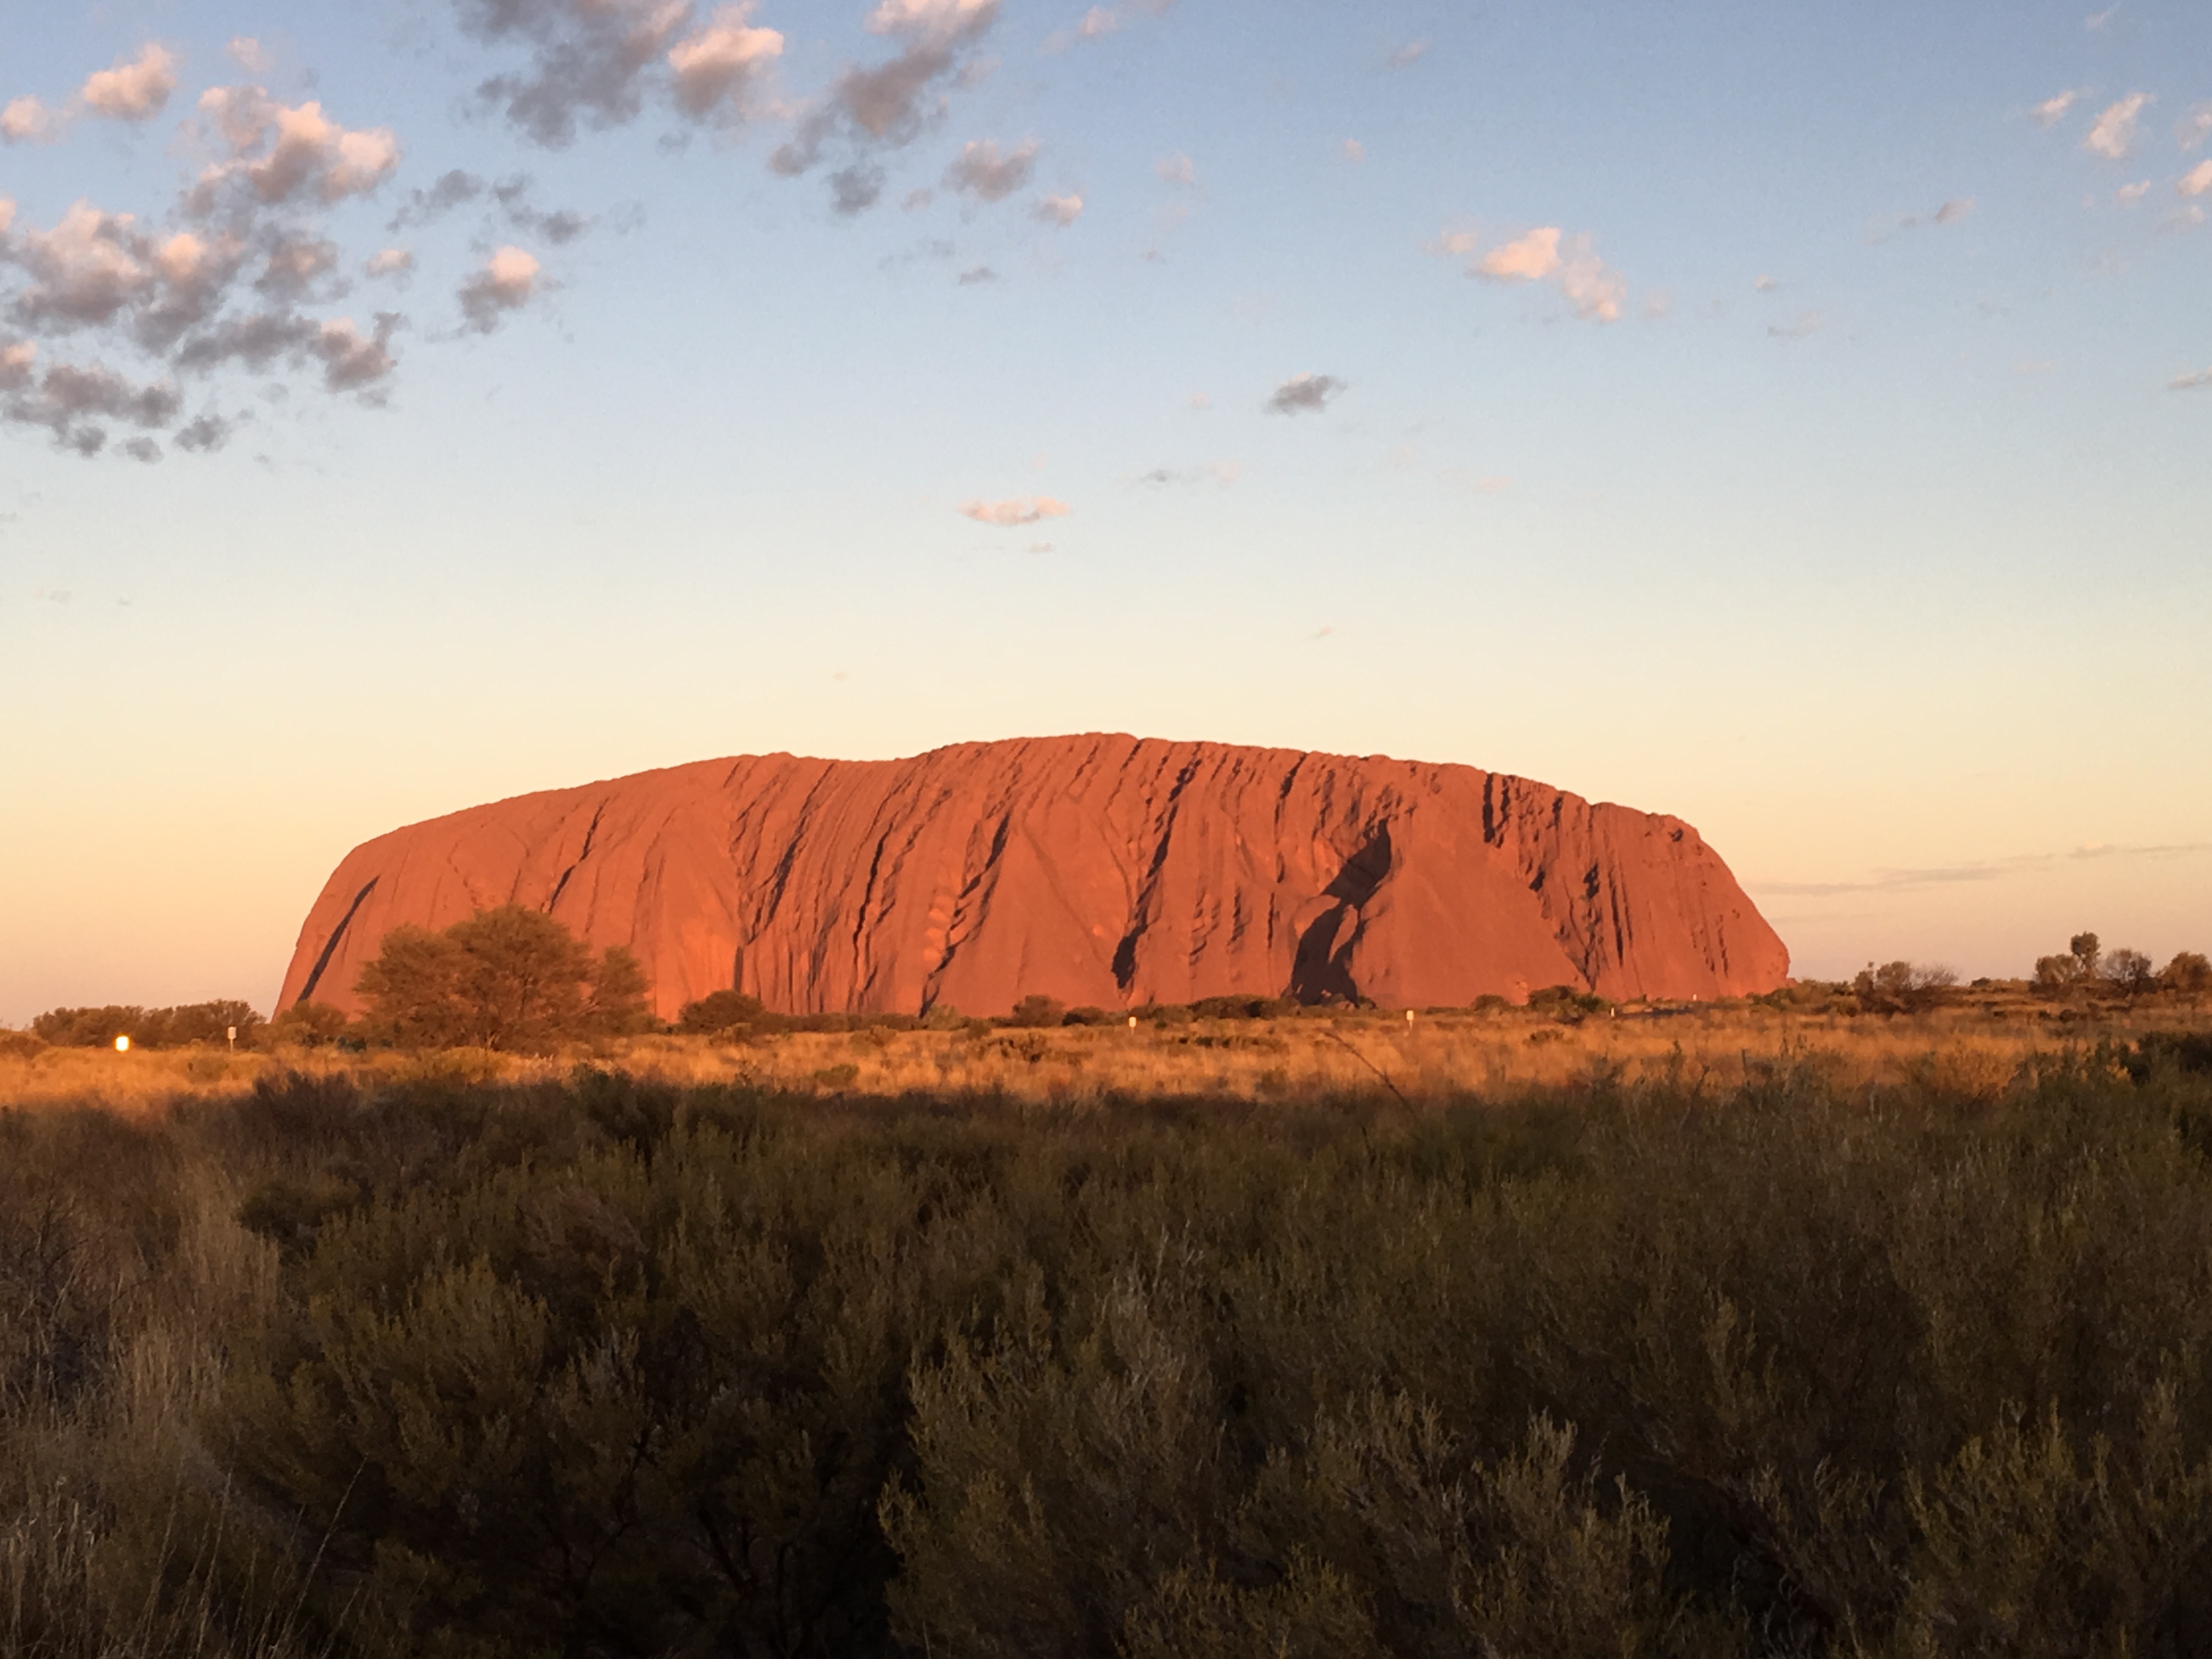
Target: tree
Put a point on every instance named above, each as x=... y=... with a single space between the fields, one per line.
x=2086 y=954
x=509 y=978
x=2189 y=972
x=2129 y=972
x=1901 y=987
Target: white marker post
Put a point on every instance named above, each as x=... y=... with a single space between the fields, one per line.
x=123 y=1045
x=233 y=1039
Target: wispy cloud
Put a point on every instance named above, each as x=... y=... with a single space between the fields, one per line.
x=1407 y=55
x=2113 y=133
x=1303 y=394
x=1014 y=511
x=2196 y=382
x=1354 y=150
x=2051 y=110
x=1220 y=473
x=1177 y=170
x=1059 y=211
x=1908 y=880
x=1803 y=327
x=887 y=105
x=2194 y=129
x=2197 y=181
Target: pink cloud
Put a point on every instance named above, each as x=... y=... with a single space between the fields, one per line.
x=1014 y=511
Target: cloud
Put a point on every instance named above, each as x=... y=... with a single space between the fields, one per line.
x=2196 y=382
x=246 y=52
x=1060 y=211
x=1177 y=170
x=393 y=262
x=2194 y=129
x=2097 y=19
x=2113 y=133
x=27 y=121
x=590 y=59
x=2051 y=110
x=889 y=105
x=455 y=190
x=1354 y=150
x=1200 y=401
x=1764 y=284
x=2129 y=195
x=1597 y=292
x=1014 y=511
x=981 y=170
x=1411 y=53
x=279 y=153
x=1807 y=324
x=1304 y=393
x=1891 y=881
x=1954 y=209
x=136 y=90
x=2197 y=181
x=976 y=276
x=350 y=359
x=1530 y=259
x=1221 y=473
x=507 y=282
x=68 y=399
x=720 y=68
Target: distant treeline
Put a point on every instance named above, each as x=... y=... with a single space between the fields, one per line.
x=609 y=1369
x=514 y=978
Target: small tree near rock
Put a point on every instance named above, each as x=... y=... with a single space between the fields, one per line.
x=509 y=978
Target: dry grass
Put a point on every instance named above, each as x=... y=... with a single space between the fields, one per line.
x=1973 y=1049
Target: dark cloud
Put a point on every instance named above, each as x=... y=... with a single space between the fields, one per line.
x=983 y=170
x=978 y=275
x=596 y=63
x=1304 y=394
x=857 y=188
x=588 y=61
x=204 y=436
x=889 y=105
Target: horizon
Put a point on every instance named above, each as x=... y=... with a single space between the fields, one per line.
x=1795 y=426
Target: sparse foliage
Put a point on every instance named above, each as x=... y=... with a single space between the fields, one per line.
x=1901 y=987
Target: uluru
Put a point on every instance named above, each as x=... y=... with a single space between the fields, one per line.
x=1100 y=870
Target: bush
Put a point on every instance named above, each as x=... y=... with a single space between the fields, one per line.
x=2189 y=974
x=1032 y=1014
x=509 y=978
x=721 y=1010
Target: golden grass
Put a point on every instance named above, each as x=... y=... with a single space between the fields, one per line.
x=1973 y=1050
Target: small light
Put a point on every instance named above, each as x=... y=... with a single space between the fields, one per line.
x=123 y=1045
x=1409 y=1016
x=1132 y=1022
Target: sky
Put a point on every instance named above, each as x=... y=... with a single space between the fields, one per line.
x=1795 y=418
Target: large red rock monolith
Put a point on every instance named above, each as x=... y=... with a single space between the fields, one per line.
x=1100 y=870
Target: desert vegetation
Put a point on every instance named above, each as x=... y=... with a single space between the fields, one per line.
x=599 y=1364
x=1870 y=1318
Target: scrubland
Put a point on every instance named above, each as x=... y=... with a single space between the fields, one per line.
x=1740 y=1331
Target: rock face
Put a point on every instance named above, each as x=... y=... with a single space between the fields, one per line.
x=1108 y=870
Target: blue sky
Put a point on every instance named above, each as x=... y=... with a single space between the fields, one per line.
x=1779 y=415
